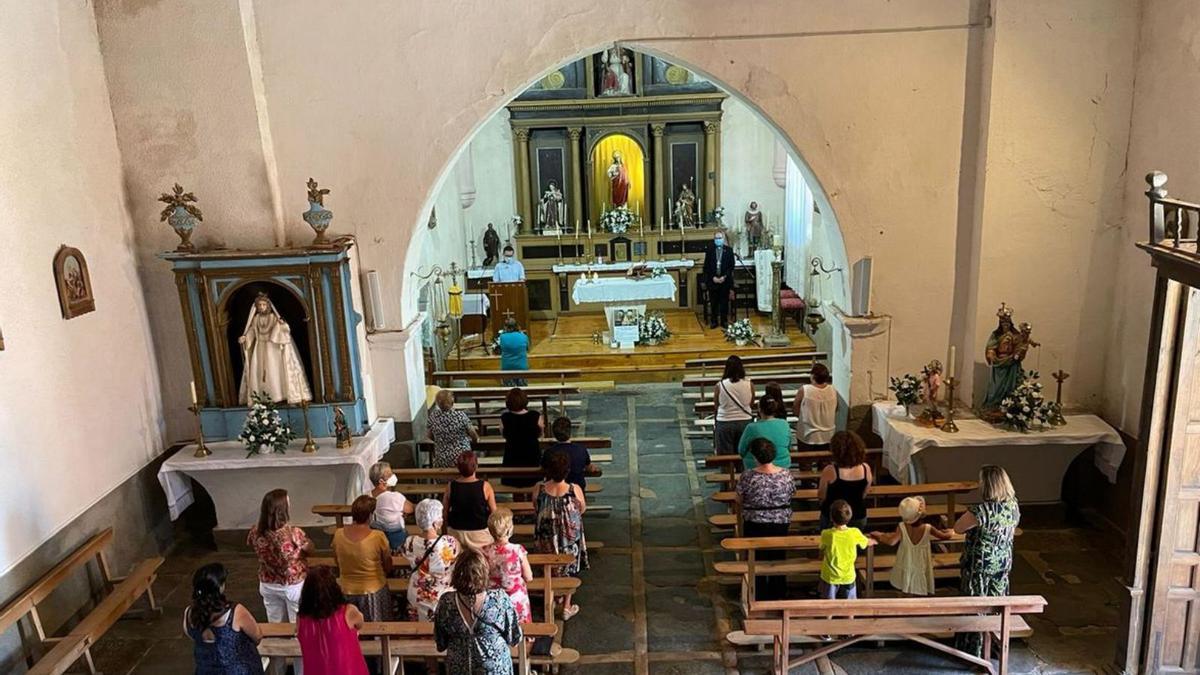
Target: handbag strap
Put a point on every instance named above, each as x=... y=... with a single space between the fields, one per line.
x=428 y=551
x=734 y=399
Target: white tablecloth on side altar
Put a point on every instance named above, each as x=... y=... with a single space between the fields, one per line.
x=476 y=303
x=237 y=483
x=763 y=258
x=568 y=268
x=623 y=290
x=903 y=438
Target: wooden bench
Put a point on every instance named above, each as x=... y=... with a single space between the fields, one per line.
x=730 y=480
x=541 y=393
x=949 y=491
x=560 y=374
x=915 y=619
x=120 y=593
x=396 y=641
x=544 y=582
x=758 y=359
x=491 y=445
x=759 y=379
x=875 y=514
x=436 y=489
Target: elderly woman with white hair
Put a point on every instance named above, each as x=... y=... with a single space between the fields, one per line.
x=432 y=555
x=450 y=430
x=390 y=506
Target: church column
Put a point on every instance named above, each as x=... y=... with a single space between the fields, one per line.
x=716 y=200
x=660 y=170
x=521 y=160
x=577 y=216
x=710 y=167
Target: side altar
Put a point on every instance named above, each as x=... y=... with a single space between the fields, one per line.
x=309 y=345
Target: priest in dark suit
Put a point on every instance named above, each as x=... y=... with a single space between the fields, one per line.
x=718 y=279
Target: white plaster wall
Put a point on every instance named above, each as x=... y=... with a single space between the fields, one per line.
x=1062 y=81
x=80 y=409
x=747 y=162
x=377 y=98
x=1165 y=136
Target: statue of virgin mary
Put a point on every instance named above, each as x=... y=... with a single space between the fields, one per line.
x=271 y=363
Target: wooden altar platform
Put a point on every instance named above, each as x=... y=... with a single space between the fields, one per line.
x=566 y=342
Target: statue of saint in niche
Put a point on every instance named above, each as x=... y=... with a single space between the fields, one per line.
x=1005 y=352
x=616 y=72
x=754 y=226
x=685 y=207
x=551 y=210
x=618 y=180
x=271 y=363
x=491 y=246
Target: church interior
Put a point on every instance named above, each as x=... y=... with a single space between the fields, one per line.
x=310 y=308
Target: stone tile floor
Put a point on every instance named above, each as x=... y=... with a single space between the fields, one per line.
x=649 y=603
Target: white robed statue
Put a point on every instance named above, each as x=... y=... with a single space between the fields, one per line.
x=272 y=364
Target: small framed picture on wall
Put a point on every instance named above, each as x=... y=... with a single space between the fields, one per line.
x=74 y=284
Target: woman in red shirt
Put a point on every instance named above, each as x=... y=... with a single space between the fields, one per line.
x=282 y=550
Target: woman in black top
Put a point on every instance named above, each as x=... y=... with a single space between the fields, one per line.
x=522 y=429
x=848 y=478
x=469 y=501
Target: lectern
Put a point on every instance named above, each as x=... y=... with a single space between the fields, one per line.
x=508 y=299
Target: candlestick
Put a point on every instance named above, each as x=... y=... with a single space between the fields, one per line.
x=201 y=449
x=309 y=444
x=951 y=363
x=193 y=384
x=1056 y=418
x=950 y=427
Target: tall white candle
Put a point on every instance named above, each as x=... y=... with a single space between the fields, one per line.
x=194 y=400
x=951 y=364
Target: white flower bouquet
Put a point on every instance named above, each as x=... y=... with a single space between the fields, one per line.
x=1026 y=407
x=740 y=331
x=265 y=427
x=617 y=220
x=719 y=216
x=652 y=327
x=907 y=388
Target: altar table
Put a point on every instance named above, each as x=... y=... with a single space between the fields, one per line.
x=569 y=268
x=1036 y=461
x=621 y=293
x=237 y=483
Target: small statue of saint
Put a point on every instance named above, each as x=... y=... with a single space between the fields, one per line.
x=618 y=180
x=271 y=363
x=1005 y=352
x=685 y=207
x=550 y=211
x=932 y=381
x=754 y=226
x=491 y=246
x=341 y=430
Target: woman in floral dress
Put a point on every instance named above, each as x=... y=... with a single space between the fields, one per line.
x=558 y=527
x=432 y=556
x=508 y=564
x=988 y=551
x=474 y=626
x=450 y=430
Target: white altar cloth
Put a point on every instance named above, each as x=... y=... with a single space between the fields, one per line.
x=623 y=290
x=237 y=483
x=763 y=281
x=476 y=303
x=903 y=440
x=571 y=268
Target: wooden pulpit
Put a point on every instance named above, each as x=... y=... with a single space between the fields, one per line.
x=508 y=299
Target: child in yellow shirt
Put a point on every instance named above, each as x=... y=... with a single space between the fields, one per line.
x=839 y=551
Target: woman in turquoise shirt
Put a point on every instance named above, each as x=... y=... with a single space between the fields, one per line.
x=514 y=352
x=771 y=425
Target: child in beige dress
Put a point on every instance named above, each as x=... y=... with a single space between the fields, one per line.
x=912 y=572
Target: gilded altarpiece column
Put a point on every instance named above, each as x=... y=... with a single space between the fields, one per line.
x=711 y=198
x=521 y=160
x=576 y=216
x=660 y=169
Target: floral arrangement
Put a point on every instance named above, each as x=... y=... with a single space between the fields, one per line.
x=264 y=426
x=517 y=221
x=907 y=388
x=719 y=215
x=617 y=220
x=1026 y=408
x=740 y=331
x=657 y=271
x=652 y=326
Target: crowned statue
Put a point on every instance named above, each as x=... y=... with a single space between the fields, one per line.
x=1005 y=352
x=271 y=362
x=618 y=180
x=550 y=210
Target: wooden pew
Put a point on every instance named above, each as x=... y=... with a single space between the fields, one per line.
x=758 y=359
x=435 y=489
x=340 y=512
x=396 y=641
x=544 y=583
x=810 y=519
x=491 y=445
x=759 y=379
x=484 y=471
x=732 y=464
x=120 y=594
x=538 y=392
x=916 y=619
x=730 y=480
x=560 y=374
x=949 y=491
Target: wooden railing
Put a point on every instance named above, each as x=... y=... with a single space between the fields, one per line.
x=1173 y=223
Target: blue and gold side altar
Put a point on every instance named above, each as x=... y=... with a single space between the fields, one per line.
x=309 y=289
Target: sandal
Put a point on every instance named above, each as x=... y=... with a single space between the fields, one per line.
x=569 y=612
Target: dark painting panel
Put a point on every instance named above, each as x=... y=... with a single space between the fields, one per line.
x=685 y=168
x=550 y=167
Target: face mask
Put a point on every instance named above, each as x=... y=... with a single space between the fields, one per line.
x=719 y=241
x=508 y=257
x=392 y=480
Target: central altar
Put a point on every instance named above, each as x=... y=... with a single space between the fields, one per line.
x=624 y=299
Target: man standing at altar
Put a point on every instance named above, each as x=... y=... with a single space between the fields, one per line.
x=509 y=269
x=718 y=279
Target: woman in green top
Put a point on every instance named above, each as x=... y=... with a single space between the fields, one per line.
x=771 y=425
x=987 y=555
